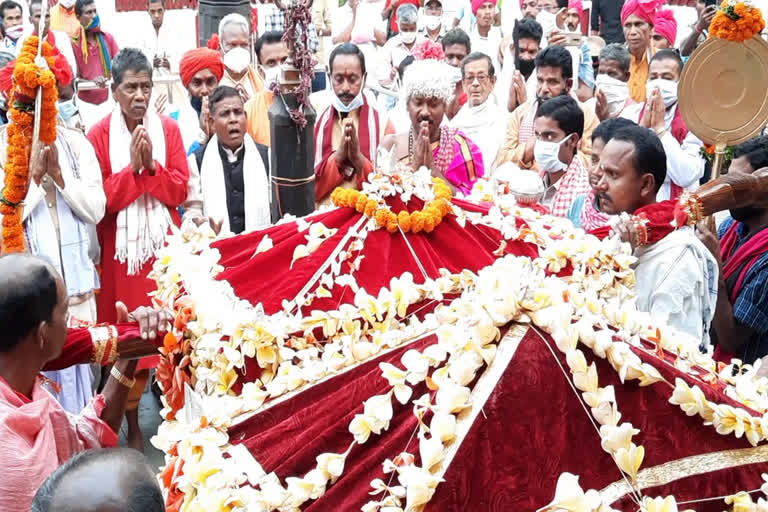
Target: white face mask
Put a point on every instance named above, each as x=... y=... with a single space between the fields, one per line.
x=237 y=59
x=356 y=103
x=431 y=22
x=616 y=92
x=67 y=4
x=408 y=37
x=668 y=90
x=547 y=21
x=14 y=32
x=547 y=155
x=271 y=75
x=456 y=74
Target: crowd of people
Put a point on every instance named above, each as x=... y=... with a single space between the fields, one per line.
x=464 y=88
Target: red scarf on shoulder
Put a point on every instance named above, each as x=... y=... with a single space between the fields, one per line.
x=653 y=222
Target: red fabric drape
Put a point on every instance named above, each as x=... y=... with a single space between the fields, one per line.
x=267 y=277
x=78 y=348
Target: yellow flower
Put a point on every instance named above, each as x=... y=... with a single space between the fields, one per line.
x=617 y=438
x=629 y=460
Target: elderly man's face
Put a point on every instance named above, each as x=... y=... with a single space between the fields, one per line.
x=233 y=36
x=202 y=84
x=478 y=82
x=572 y=19
x=613 y=69
x=551 y=83
x=621 y=185
x=431 y=110
x=637 y=33
x=133 y=94
x=454 y=54
x=229 y=121
x=346 y=77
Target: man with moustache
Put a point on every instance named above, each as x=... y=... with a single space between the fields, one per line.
x=554 y=74
x=145 y=174
x=740 y=326
x=348 y=132
x=445 y=150
x=638 y=19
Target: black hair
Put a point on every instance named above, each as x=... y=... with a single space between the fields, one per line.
x=527 y=28
x=456 y=36
x=556 y=57
x=649 y=156
x=474 y=56
x=129 y=59
x=7 y=5
x=407 y=61
x=220 y=93
x=669 y=54
x=562 y=4
x=755 y=150
x=270 y=37
x=35 y=2
x=161 y=2
x=347 y=49
x=27 y=297
x=81 y=4
x=604 y=131
x=145 y=494
x=566 y=111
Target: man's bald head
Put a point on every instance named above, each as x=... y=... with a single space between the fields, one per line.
x=30 y=290
x=110 y=480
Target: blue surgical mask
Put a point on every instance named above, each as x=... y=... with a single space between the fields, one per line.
x=67 y=110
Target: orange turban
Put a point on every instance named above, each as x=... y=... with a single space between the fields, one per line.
x=198 y=59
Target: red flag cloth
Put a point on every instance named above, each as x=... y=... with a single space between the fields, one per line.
x=78 y=348
x=654 y=222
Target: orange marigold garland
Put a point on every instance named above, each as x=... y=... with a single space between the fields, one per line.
x=27 y=77
x=426 y=219
x=736 y=21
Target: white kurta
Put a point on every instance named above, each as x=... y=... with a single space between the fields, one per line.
x=685 y=166
x=485 y=125
x=677 y=282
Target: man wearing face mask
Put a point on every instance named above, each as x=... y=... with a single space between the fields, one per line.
x=611 y=88
x=234 y=43
x=401 y=45
x=660 y=113
x=559 y=126
x=431 y=21
x=12 y=24
x=94 y=50
x=349 y=131
x=63 y=18
x=554 y=75
x=64 y=203
x=271 y=52
x=518 y=81
x=443 y=149
x=233 y=178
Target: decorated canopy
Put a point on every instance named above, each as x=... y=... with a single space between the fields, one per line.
x=477 y=360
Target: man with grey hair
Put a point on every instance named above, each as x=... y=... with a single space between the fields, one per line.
x=400 y=46
x=611 y=88
x=114 y=479
x=234 y=45
x=448 y=153
x=479 y=117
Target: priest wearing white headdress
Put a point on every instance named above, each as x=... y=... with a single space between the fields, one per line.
x=481 y=118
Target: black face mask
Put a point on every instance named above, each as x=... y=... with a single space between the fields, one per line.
x=197 y=104
x=525 y=67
